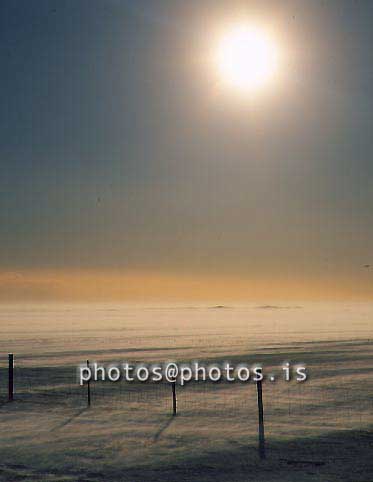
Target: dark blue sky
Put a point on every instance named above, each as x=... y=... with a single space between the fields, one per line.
x=117 y=148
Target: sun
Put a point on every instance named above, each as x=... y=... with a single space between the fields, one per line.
x=246 y=58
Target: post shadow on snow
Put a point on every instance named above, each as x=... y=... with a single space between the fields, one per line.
x=335 y=457
x=163 y=428
x=339 y=456
x=70 y=419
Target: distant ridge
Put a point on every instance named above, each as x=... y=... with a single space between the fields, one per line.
x=274 y=307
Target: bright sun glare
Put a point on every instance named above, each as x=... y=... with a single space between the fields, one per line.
x=247 y=58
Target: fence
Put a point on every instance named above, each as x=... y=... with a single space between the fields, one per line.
x=288 y=408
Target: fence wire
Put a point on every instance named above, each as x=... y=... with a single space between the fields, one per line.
x=288 y=406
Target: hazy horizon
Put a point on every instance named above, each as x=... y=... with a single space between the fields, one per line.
x=115 y=285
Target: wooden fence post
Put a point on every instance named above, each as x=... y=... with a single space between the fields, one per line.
x=262 y=452
x=174 y=400
x=88 y=389
x=10 y=377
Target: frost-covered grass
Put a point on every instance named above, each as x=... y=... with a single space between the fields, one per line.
x=316 y=431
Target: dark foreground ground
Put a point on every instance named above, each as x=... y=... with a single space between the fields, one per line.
x=344 y=457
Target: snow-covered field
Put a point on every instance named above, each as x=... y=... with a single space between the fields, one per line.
x=316 y=431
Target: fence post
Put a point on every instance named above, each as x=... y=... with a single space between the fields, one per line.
x=174 y=401
x=262 y=452
x=88 y=389
x=10 y=377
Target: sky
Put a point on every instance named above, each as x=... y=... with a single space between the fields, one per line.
x=129 y=172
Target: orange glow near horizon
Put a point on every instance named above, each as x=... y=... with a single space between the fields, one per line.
x=92 y=285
